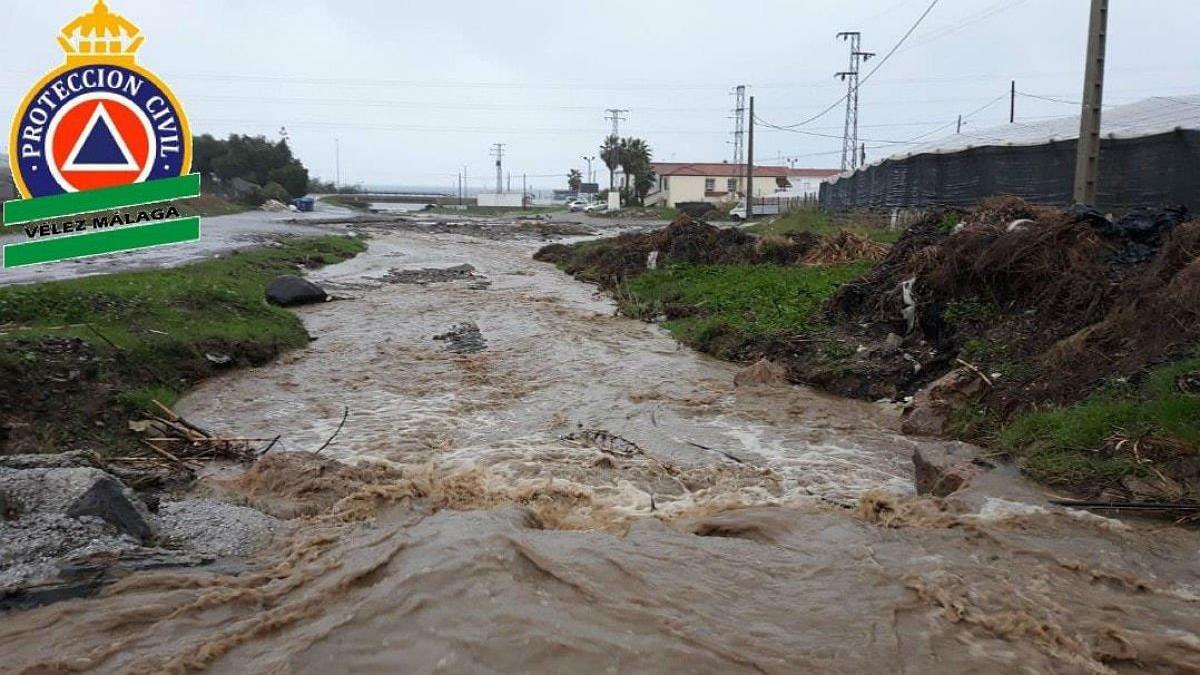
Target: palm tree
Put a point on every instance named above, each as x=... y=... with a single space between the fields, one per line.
x=635 y=160
x=610 y=152
x=574 y=180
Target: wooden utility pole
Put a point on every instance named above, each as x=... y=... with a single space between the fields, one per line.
x=1012 y=103
x=750 y=166
x=1087 y=161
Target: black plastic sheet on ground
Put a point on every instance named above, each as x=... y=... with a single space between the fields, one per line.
x=1145 y=171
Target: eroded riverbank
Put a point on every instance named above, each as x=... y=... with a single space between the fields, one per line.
x=709 y=529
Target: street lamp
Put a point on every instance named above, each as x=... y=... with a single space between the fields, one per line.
x=591 y=176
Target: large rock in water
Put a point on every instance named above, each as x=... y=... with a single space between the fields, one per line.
x=291 y=290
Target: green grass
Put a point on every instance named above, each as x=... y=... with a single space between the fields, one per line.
x=818 y=222
x=216 y=299
x=212 y=206
x=732 y=310
x=964 y=312
x=1060 y=446
x=154 y=328
x=347 y=201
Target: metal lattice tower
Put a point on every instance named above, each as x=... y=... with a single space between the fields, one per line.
x=616 y=116
x=498 y=153
x=739 y=125
x=850 y=135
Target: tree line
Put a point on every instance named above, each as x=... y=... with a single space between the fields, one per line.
x=633 y=157
x=256 y=159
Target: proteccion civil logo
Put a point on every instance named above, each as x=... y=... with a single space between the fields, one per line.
x=100 y=133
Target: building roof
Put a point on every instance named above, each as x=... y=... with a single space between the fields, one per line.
x=716 y=169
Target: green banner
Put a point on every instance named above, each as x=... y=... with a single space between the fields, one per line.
x=21 y=211
x=104 y=241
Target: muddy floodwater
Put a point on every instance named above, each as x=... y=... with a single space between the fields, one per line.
x=582 y=494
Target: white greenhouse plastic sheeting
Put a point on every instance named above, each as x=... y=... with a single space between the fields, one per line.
x=1156 y=115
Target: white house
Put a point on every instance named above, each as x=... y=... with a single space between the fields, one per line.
x=713 y=182
x=806 y=183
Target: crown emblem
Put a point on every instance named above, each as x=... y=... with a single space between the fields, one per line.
x=100 y=34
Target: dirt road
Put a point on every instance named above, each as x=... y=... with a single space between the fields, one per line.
x=218 y=235
x=615 y=505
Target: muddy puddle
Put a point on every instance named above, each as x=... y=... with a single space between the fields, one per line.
x=577 y=493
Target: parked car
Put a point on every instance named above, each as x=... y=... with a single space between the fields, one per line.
x=596 y=207
x=577 y=206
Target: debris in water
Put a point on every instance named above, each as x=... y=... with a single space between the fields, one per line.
x=463 y=338
x=764 y=373
x=430 y=275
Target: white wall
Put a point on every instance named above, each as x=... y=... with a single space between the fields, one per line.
x=512 y=199
x=691 y=188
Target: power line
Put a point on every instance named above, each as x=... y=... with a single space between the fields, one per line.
x=1048 y=98
x=950 y=29
x=874 y=70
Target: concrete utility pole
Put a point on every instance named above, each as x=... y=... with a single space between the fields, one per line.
x=498 y=153
x=959 y=131
x=850 y=135
x=750 y=166
x=337 y=160
x=616 y=116
x=524 y=189
x=1087 y=161
x=739 y=125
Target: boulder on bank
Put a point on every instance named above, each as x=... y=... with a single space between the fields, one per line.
x=945 y=469
x=76 y=492
x=291 y=290
x=933 y=406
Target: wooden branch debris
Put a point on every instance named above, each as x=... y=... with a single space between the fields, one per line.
x=178 y=445
x=975 y=369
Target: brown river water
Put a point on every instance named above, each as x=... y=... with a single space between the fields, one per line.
x=708 y=529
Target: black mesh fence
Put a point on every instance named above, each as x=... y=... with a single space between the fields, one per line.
x=1145 y=171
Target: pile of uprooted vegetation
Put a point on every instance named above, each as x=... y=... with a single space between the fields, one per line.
x=1057 y=335
x=1065 y=338
x=609 y=262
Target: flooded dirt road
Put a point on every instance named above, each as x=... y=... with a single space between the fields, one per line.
x=583 y=495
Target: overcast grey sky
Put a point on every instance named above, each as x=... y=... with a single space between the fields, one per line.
x=417 y=90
